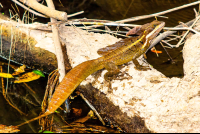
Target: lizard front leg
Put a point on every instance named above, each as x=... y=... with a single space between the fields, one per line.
x=140 y=67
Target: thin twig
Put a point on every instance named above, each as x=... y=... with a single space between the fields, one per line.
x=29 y=87
x=4 y=95
x=1 y=37
x=166 y=52
x=90 y=20
x=112 y=32
x=195 y=11
x=101 y=23
x=183 y=28
x=171 y=39
x=74 y=14
x=165 y=34
x=82 y=3
x=19 y=96
x=90 y=105
x=179 y=43
x=157 y=14
x=128 y=8
x=23 y=18
x=9 y=58
x=32 y=93
x=14 y=10
x=183 y=24
x=17 y=8
x=168 y=43
x=82 y=37
x=1 y=5
x=153 y=15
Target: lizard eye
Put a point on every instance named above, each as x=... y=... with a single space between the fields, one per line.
x=154 y=25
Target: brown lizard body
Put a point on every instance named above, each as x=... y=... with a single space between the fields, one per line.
x=126 y=50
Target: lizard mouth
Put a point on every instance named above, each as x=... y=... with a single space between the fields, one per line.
x=155 y=32
x=150 y=37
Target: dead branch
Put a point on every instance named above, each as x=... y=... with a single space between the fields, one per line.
x=59 y=54
x=45 y=10
x=28 y=9
x=157 y=14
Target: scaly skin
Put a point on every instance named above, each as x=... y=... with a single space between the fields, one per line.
x=131 y=49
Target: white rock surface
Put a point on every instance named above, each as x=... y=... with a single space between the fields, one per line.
x=166 y=104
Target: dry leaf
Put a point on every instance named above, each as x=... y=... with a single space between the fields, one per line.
x=19 y=70
x=27 y=77
x=77 y=112
x=8 y=129
x=6 y=75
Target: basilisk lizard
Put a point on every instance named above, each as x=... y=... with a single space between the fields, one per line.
x=121 y=52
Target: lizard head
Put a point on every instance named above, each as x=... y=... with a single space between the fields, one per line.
x=152 y=30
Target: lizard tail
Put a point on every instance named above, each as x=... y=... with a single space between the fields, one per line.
x=69 y=83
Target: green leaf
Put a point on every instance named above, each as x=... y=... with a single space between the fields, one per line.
x=38 y=73
x=48 y=132
x=40 y=131
x=57 y=111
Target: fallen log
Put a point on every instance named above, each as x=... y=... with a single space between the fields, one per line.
x=29 y=44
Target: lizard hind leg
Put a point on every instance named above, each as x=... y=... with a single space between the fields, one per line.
x=112 y=69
